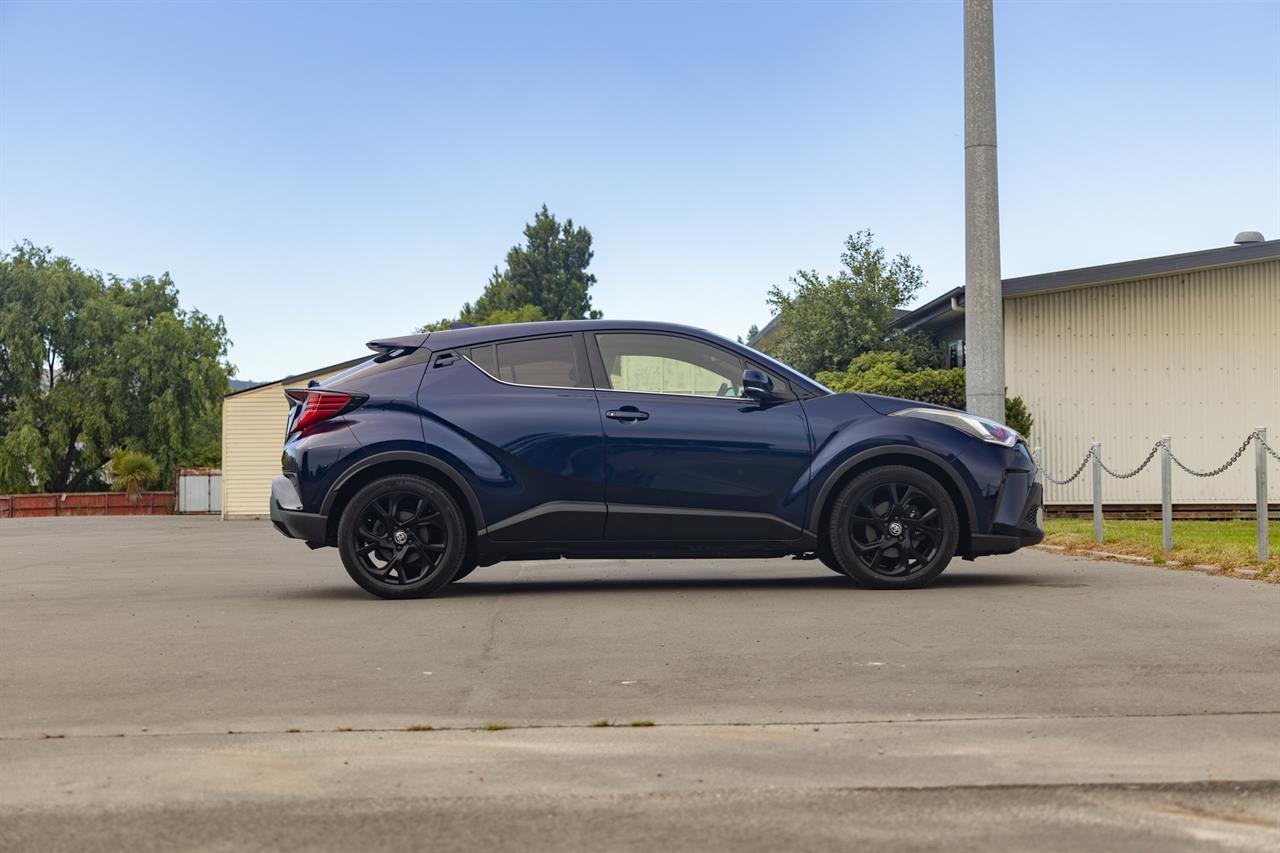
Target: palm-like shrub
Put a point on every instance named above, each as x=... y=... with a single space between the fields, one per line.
x=132 y=472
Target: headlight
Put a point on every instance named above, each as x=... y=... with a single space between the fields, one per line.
x=981 y=428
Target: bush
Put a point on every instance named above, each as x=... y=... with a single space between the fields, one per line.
x=132 y=472
x=894 y=374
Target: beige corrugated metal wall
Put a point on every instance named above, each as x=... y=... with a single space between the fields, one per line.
x=1193 y=355
x=252 y=437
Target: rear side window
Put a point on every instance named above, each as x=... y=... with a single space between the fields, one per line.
x=485 y=359
x=540 y=361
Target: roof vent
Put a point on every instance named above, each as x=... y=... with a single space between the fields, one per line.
x=1244 y=238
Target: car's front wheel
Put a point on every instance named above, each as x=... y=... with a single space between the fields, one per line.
x=893 y=528
x=402 y=537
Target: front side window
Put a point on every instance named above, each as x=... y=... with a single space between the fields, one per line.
x=540 y=361
x=668 y=364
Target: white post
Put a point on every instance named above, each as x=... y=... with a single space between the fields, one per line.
x=1260 y=479
x=1041 y=480
x=1097 y=492
x=1166 y=496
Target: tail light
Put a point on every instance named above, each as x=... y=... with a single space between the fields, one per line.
x=317 y=405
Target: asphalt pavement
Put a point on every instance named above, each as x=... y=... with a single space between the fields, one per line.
x=188 y=683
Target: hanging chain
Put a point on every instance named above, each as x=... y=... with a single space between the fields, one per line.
x=1224 y=466
x=1155 y=448
x=1056 y=482
x=1125 y=476
x=1266 y=446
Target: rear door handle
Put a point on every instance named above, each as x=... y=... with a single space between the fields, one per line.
x=627 y=414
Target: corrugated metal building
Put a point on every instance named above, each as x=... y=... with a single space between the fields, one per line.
x=1185 y=345
x=252 y=434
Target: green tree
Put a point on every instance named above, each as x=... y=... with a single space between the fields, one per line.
x=132 y=472
x=91 y=363
x=545 y=279
x=828 y=320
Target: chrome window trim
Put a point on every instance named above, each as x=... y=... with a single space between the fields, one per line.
x=518 y=384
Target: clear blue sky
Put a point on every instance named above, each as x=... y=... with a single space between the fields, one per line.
x=323 y=174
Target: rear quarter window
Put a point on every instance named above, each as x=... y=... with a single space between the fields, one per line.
x=550 y=362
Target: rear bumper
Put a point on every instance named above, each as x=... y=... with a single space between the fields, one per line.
x=288 y=517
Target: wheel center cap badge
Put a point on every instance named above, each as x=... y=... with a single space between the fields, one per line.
x=895 y=529
x=400 y=537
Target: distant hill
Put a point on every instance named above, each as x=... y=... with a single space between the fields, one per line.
x=241 y=384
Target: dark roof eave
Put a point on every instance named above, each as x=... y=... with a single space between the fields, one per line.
x=1143 y=268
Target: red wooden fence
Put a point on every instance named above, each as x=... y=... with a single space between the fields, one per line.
x=85 y=503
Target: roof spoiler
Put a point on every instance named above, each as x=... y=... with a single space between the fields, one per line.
x=392 y=347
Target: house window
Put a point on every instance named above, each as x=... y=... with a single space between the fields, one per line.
x=955 y=354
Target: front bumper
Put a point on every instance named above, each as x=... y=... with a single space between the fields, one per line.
x=288 y=517
x=1016 y=521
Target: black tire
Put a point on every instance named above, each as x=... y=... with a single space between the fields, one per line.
x=893 y=528
x=828 y=559
x=402 y=537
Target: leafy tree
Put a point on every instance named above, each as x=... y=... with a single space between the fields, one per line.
x=523 y=314
x=132 y=472
x=921 y=347
x=91 y=363
x=545 y=279
x=828 y=320
x=751 y=333
x=895 y=374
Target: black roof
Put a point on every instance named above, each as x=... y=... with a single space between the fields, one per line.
x=1144 y=268
x=1028 y=285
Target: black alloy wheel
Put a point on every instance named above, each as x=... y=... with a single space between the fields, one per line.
x=894 y=527
x=402 y=537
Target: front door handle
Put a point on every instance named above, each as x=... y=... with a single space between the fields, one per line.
x=627 y=414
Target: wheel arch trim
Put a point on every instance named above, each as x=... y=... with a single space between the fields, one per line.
x=429 y=461
x=825 y=492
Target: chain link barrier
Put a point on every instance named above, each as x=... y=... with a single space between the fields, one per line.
x=1155 y=448
x=1258 y=435
x=1224 y=466
x=1136 y=471
x=1266 y=446
x=1076 y=473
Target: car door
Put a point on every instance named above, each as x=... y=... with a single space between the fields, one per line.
x=687 y=456
x=528 y=406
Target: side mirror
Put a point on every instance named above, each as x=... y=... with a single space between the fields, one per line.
x=756 y=384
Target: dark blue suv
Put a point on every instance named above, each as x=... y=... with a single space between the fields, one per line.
x=594 y=438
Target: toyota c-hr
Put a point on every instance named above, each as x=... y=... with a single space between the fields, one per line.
x=456 y=449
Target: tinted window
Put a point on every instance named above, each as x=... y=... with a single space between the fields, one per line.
x=485 y=359
x=543 y=361
x=669 y=364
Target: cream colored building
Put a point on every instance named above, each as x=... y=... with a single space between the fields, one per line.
x=252 y=435
x=1182 y=345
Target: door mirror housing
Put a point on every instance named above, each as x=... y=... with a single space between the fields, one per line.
x=756 y=384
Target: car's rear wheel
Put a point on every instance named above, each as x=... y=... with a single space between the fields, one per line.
x=893 y=528
x=402 y=537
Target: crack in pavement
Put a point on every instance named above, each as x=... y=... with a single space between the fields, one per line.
x=515 y=727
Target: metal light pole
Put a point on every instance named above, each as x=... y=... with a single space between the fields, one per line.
x=984 y=307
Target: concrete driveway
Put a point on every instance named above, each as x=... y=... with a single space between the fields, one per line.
x=189 y=683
